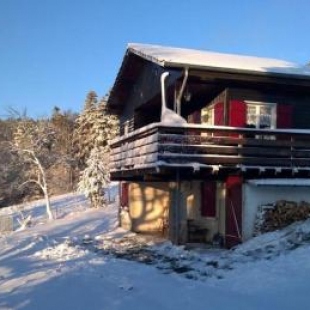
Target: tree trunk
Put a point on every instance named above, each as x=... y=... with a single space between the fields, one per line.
x=42 y=183
x=48 y=205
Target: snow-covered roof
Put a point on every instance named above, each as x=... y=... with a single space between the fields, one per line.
x=181 y=57
x=280 y=182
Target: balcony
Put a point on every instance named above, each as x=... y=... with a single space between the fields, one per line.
x=213 y=148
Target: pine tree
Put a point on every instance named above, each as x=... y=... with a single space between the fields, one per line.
x=82 y=137
x=62 y=177
x=95 y=177
x=95 y=128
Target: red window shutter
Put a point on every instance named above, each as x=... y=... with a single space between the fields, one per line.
x=237 y=113
x=284 y=116
x=219 y=114
x=195 y=117
x=208 y=199
x=124 y=194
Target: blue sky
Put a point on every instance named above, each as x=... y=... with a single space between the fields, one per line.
x=52 y=52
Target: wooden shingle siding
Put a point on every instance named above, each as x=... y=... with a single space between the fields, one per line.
x=206 y=145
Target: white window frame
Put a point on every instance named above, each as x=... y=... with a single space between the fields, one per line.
x=258 y=105
x=204 y=111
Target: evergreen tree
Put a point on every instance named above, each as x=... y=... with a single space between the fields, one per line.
x=62 y=177
x=82 y=137
x=95 y=177
x=96 y=126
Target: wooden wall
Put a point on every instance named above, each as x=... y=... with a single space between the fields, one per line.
x=151 y=202
x=143 y=103
x=148 y=205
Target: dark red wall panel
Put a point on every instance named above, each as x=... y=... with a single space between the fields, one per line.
x=219 y=114
x=237 y=113
x=284 y=116
x=208 y=199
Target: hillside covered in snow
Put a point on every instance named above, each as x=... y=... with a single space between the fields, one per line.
x=82 y=260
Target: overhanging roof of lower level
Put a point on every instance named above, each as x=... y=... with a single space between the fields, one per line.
x=280 y=182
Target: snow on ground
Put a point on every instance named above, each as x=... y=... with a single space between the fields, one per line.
x=82 y=260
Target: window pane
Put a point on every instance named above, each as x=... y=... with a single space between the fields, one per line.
x=251 y=115
x=260 y=115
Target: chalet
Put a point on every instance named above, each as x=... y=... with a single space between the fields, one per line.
x=206 y=138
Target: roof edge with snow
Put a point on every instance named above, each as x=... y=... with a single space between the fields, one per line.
x=280 y=182
x=199 y=59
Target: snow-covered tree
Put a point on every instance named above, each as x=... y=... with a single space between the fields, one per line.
x=83 y=137
x=55 y=155
x=96 y=126
x=10 y=165
x=33 y=141
x=95 y=177
x=61 y=178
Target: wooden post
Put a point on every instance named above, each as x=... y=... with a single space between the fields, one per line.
x=175 y=212
x=226 y=107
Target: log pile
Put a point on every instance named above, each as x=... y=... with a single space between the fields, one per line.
x=280 y=214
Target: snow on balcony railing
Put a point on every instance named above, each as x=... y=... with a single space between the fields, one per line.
x=210 y=145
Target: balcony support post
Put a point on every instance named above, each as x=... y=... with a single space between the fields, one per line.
x=175 y=211
x=178 y=205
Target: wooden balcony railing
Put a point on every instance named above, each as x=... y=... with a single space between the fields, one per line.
x=161 y=145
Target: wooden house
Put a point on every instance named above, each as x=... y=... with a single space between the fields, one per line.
x=206 y=138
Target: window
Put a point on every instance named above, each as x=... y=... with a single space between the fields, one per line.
x=261 y=115
x=207 y=116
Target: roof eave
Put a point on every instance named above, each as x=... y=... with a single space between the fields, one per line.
x=155 y=60
x=169 y=64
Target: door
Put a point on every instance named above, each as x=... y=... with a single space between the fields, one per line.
x=233 y=201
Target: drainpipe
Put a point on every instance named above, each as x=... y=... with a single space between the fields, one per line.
x=179 y=97
x=163 y=93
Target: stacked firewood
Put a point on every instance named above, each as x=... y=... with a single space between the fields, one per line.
x=280 y=214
